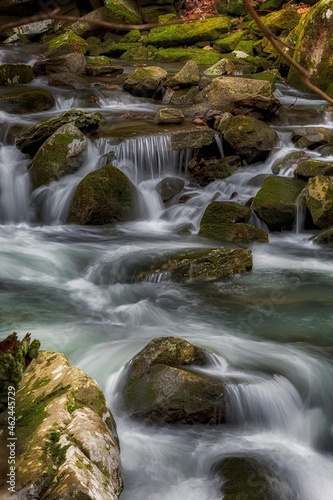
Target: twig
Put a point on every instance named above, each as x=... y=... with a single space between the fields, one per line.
x=272 y=38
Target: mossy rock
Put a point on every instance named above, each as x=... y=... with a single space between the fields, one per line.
x=30 y=140
x=182 y=54
x=84 y=28
x=319 y=200
x=181 y=97
x=222 y=67
x=145 y=82
x=186 y=77
x=224 y=212
x=32 y=100
x=247 y=64
x=124 y=11
x=213 y=172
x=169 y=115
x=250 y=138
x=189 y=33
x=160 y=389
x=67 y=43
x=230 y=42
x=311 y=137
x=117 y=49
x=284 y=19
x=324 y=239
x=198 y=264
x=275 y=202
x=98 y=61
x=289 y=162
x=13 y=74
x=132 y=36
x=60 y=155
x=152 y=13
x=257 y=180
x=237 y=233
x=104 y=196
x=108 y=70
x=140 y=53
x=311 y=168
x=231 y=7
x=313 y=49
x=269 y=75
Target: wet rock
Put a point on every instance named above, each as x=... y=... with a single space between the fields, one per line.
x=232 y=94
x=109 y=70
x=145 y=82
x=74 y=62
x=238 y=233
x=68 y=441
x=289 y=162
x=223 y=67
x=275 y=202
x=68 y=80
x=181 y=97
x=222 y=212
x=169 y=115
x=15 y=356
x=311 y=168
x=187 y=76
x=160 y=389
x=30 y=140
x=124 y=11
x=212 y=170
x=250 y=138
x=65 y=44
x=104 y=196
x=311 y=137
x=169 y=187
x=319 y=200
x=60 y=155
x=12 y=74
x=198 y=264
x=257 y=180
x=31 y=100
x=324 y=239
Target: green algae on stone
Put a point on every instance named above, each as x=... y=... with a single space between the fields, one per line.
x=284 y=19
x=187 y=76
x=84 y=28
x=189 y=33
x=237 y=233
x=30 y=100
x=104 y=196
x=311 y=168
x=145 y=82
x=222 y=212
x=123 y=11
x=13 y=74
x=230 y=42
x=66 y=43
x=182 y=54
x=319 y=200
x=290 y=161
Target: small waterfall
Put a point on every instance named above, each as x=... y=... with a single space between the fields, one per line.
x=219 y=144
x=300 y=212
x=256 y=222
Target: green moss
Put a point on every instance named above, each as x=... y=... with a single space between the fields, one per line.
x=131 y=37
x=285 y=19
x=66 y=43
x=238 y=233
x=140 y=53
x=123 y=11
x=72 y=404
x=182 y=54
x=219 y=212
x=98 y=61
x=229 y=43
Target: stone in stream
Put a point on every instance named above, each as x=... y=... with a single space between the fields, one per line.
x=161 y=385
x=74 y=62
x=223 y=212
x=14 y=74
x=250 y=138
x=65 y=44
x=311 y=137
x=169 y=187
x=169 y=115
x=186 y=77
x=311 y=168
x=275 y=202
x=324 y=239
x=104 y=196
x=289 y=162
x=207 y=171
x=60 y=155
x=145 y=82
x=68 y=80
x=238 y=233
x=222 y=67
x=30 y=100
x=319 y=200
x=68 y=444
x=124 y=11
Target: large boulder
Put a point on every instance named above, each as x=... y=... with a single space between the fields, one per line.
x=250 y=138
x=160 y=388
x=313 y=49
x=12 y=74
x=319 y=200
x=60 y=155
x=68 y=441
x=237 y=233
x=31 y=140
x=275 y=203
x=189 y=33
x=311 y=168
x=30 y=100
x=182 y=54
x=105 y=196
x=197 y=264
x=240 y=94
x=223 y=212
x=145 y=82
x=124 y=11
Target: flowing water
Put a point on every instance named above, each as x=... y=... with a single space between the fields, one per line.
x=269 y=331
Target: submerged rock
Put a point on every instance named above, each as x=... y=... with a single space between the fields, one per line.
x=105 y=196
x=30 y=100
x=145 y=82
x=319 y=200
x=12 y=74
x=68 y=441
x=160 y=388
x=198 y=264
x=169 y=187
x=60 y=155
x=238 y=233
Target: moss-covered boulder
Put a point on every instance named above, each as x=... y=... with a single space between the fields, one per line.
x=238 y=233
x=153 y=13
x=275 y=202
x=60 y=155
x=187 y=76
x=283 y=20
x=105 y=196
x=189 y=33
x=198 y=264
x=319 y=200
x=31 y=140
x=311 y=168
x=224 y=212
x=313 y=49
x=324 y=239
x=15 y=356
x=12 y=74
x=230 y=42
x=160 y=388
x=240 y=94
x=222 y=67
x=85 y=28
x=182 y=54
x=145 y=82
x=124 y=11
x=250 y=138
x=32 y=100
x=169 y=187
x=68 y=441
x=169 y=115
x=311 y=137
x=232 y=7
x=67 y=43
x=288 y=163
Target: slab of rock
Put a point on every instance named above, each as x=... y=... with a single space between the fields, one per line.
x=67 y=43
x=187 y=76
x=222 y=67
x=74 y=62
x=169 y=115
x=311 y=168
x=311 y=137
x=124 y=11
x=30 y=100
x=319 y=200
x=68 y=441
x=84 y=28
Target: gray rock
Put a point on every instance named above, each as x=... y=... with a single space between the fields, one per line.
x=169 y=115
x=169 y=187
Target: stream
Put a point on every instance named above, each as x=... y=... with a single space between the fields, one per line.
x=269 y=330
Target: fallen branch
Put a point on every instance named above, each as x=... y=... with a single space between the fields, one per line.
x=275 y=42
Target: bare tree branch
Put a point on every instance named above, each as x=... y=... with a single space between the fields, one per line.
x=274 y=41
